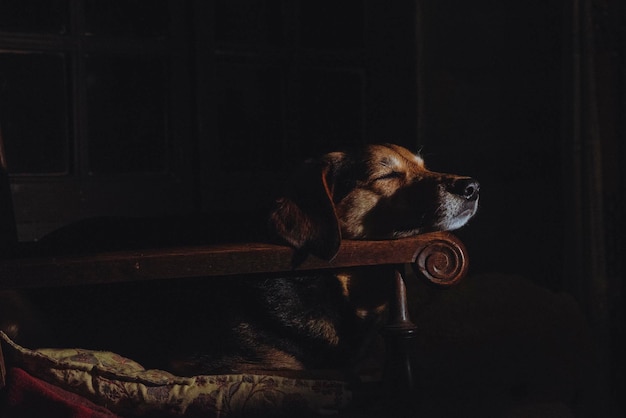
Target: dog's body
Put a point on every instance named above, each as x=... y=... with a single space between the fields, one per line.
x=235 y=325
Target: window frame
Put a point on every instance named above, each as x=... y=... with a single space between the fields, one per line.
x=44 y=202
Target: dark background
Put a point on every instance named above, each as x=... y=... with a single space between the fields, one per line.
x=189 y=106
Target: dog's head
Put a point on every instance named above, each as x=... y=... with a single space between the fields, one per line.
x=379 y=192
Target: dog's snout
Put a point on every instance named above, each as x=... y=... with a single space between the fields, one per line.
x=467 y=188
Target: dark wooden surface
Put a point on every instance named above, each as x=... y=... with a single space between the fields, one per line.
x=439 y=256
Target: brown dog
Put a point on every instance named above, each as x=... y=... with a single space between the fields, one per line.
x=234 y=325
x=378 y=192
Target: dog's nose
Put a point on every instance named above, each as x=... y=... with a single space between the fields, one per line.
x=467 y=188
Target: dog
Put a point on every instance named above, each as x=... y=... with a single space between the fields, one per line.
x=292 y=322
x=379 y=192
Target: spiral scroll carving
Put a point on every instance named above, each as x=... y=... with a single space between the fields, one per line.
x=443 y=261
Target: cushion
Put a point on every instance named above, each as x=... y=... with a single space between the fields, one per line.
x=126 y=388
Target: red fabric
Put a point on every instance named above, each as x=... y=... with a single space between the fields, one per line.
x=26 y=396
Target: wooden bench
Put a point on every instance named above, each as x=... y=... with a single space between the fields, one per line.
x=438 y=257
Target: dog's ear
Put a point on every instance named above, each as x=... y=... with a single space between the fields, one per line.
x=306 y=217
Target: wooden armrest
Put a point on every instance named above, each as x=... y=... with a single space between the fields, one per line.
x=439 y=256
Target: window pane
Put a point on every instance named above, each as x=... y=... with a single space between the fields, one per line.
x=249 y=117
x=249 y=21
x=33 y=113
x=331 y=110
x=127 y=114
x=36 y=16
x=330 y=24
x=127 y=18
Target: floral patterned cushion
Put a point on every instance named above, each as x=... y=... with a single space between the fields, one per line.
x=126 y=388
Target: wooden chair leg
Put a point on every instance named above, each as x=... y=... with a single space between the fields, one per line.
x=400 y=334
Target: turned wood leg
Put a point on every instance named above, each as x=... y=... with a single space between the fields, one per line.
x=400 y=335
x=444 y=262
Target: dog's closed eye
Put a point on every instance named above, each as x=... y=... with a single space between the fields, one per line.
x=390 y=176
